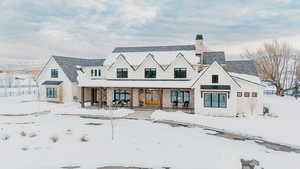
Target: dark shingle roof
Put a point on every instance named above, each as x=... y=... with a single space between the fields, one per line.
x=241 y=66
x=52 y=83
x=154 y=48
x=68 y=64
x=211 y=57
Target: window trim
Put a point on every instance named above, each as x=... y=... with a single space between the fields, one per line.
x=54 y=73
x=121 y=92
x=177 y=99
x=148 y=72
x=214 y=79
x=123 y=72
x=181 y=71
x=51 y=92
x=219 y=96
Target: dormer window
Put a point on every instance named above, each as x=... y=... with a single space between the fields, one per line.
x=95 y=72
x=215 y=78
x=150 y=72
x=54 y=73
x=180 y=73
x=122 y=73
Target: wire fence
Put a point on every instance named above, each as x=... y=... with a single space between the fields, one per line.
x=18 y=91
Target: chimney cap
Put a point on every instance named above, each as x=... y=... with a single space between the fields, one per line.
x=199 y=37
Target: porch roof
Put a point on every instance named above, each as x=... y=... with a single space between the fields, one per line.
x=138 y=83
x=55 y=83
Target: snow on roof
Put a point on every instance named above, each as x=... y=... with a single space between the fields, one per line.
x=251 y=78
x=136 y=83
x=162 y=57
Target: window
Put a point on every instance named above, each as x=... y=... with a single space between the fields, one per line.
x=54 y=73
x=150 y=72
x=215 y=79
x=122 y=73
x=51 y=92
x=92 y=72
x=215 y=100
x=239 y=94
x=254 y=94
x=180 y=73
x=95 y=72
x=121 y=95
x=180 y=96
x=246 y=94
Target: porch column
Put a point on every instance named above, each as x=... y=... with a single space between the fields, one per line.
x=101 y=97
x=92 y=96
x=98 y=96
x=82 y=97
x=161 y=98
x=131 y=98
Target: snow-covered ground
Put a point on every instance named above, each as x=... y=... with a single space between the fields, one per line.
x=26 y=141
x=282 y=129
x=28 y=104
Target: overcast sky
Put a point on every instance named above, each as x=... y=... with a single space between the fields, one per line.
x=33 y=30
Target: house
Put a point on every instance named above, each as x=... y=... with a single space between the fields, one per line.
x=58 y=79
x=185 y=77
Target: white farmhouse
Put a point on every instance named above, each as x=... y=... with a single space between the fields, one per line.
x=58 y=79
x=185 y=77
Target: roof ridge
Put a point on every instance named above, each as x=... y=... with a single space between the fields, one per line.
x=54 y=56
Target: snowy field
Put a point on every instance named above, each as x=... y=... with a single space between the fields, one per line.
x=50 y=141
x=281 y=129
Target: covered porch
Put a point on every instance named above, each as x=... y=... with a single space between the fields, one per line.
x=138 y=98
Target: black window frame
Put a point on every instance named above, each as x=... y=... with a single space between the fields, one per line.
x=177 y=96
x=51 y=92
x=211 y=100
x=54 y=73
x=180 y=72
x=122 y=72
x=246 y=94
x=215 y=79
x=124 y=94
x=239 y=94
x=150 y=73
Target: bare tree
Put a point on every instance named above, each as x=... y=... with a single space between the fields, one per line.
x=277 y=64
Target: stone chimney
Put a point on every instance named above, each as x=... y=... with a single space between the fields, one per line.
x=199 y=44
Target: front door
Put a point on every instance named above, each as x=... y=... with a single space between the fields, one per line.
x=152 y=97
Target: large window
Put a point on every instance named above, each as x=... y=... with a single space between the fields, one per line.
x=51 y=92
x=150 y=72
x=121 y=95
x=180 y=96
x=215 y=100
x=122 y=73
x=180 y=73
x=54 y=73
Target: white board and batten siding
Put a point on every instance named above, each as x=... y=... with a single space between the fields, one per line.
x=67 y=88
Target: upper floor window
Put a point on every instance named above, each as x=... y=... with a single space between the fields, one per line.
x=215 y=79
x=122 y=73
x=180 y=73
x=150 y=72
x=54 y=73
x=96 y=72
